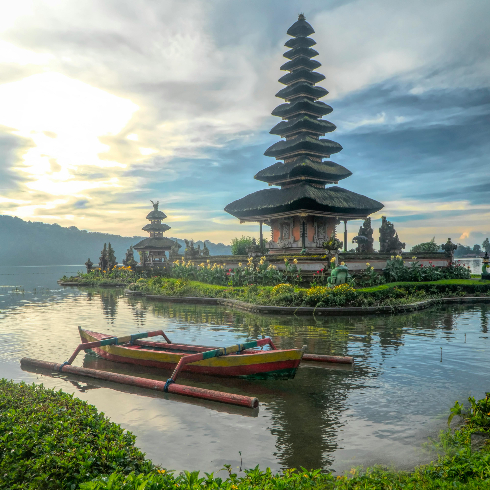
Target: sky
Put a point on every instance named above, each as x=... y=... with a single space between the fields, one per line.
x=106 y=104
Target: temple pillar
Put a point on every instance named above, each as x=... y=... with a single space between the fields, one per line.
x=345 y=235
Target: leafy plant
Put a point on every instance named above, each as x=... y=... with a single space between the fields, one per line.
x=426 y=247
x=240 y=246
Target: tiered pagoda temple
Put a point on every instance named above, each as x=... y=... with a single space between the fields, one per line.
x=303 y=213
x=152 y=250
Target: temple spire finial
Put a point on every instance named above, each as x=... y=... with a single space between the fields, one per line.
x=301 y=16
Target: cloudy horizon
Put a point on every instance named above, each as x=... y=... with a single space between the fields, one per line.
x=107 y=104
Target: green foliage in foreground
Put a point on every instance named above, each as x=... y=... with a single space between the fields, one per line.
x=320 y=296
x=51 y=440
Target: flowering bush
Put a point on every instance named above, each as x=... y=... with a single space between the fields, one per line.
x=368 y=277
x=396 y=270
x=324 y=296
x=204 y=272
x=282 y=289
x=245 y=274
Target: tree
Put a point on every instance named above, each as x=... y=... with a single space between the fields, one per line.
x=426 y=247
x=486 y=245
x=462 y=250
x=111 y=257
x=240 y=246
x=103 y=258
x=476 y=249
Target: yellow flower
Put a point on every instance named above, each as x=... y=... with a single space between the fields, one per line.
x=352 y=471
x=208 y=261
x=295 y=261
x=342 y=263
x=368 y=264
x=161 y=471
x=286 y=260
x=398 y=256
x=392 y=257
x=239 y=264
x=414 y=258
x=332 y=259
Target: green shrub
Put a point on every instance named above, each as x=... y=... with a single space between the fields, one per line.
x=426 y=247
x=240 y=246
x=51 y=440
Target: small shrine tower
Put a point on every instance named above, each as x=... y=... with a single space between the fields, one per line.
x=302 y=212
x=152 y=250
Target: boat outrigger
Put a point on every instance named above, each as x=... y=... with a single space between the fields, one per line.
x=240 y=360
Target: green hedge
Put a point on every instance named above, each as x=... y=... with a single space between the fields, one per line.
x=51 y=440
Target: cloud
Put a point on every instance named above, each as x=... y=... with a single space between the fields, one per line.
x=115 y=103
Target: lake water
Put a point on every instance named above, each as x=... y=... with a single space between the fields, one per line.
x=380 y=410
x=474 y=264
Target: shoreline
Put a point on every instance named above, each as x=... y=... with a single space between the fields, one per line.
x=310 y=310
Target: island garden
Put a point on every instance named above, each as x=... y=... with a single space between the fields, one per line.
x=303 y=264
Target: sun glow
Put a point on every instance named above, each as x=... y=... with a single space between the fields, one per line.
x=64 y=118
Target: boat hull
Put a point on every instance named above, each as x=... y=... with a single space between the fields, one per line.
x=250 y=364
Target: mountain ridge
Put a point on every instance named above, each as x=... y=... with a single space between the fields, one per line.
x=36 y=243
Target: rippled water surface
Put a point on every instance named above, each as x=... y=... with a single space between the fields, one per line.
x=379 y=411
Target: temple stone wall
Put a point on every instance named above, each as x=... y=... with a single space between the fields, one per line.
x=313 y=263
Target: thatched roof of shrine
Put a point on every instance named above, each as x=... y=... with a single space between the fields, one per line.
x=300 y=51
x=300 y=28
x=303 y=196
x=304 y=89
x=155 y=243
x=304 y=144
x=301 y=62
x=156 y=227
x=302 y=106
x=301 y=75
x=156 y=214
x=304 y=42
x=303 y=123
x=303 y=168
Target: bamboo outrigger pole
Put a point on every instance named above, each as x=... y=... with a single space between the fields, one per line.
x=152 y=384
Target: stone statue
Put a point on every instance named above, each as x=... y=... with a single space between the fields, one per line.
x=388 y=238
x=174 y=251
x=155 y=205
x=365 y=238
x=89 y=265
x=339 y=275
x=205 y=250
x=485 y=275
x=362 y=243
x=449 y=247
x=190 y=251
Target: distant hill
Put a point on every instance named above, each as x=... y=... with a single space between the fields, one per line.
x=34 y=243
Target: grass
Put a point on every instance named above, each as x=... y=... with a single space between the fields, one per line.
x=51 y=440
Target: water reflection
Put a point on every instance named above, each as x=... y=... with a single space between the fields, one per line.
x=378 y=410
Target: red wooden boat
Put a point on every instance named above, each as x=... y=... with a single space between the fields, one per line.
x=248 y=362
